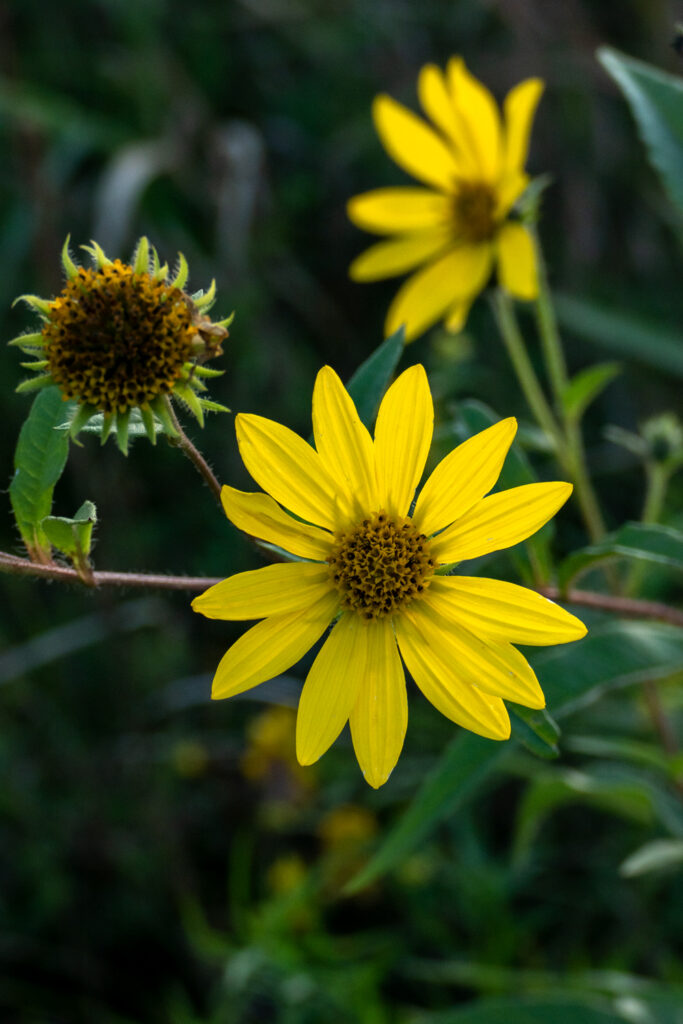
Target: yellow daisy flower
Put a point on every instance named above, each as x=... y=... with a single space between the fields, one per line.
x=473 y=162
x=369 y=562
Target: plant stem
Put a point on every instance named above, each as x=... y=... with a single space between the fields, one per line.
x=14 y=565
x=656 y=484
x=556 y=367
x=183 y=442
x=526 y=375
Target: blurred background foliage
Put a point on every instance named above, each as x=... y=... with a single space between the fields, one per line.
x=163 y=859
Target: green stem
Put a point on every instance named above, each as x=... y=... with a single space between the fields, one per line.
x=656 y=484
x=556 y=367
x=549 y=334
x=526 y=375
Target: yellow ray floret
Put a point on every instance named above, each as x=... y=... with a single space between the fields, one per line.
x=372 y=569
x=454 y=231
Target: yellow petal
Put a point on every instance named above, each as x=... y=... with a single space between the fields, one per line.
x=456 y=316
x=508 y=192
x=331 y=687
x=403 y=434
x=500 y=521
x=517 y=261
x=272 y=590
x=519 y=109
x=463 y=477
x=493 y=666
x=283 y=464
x=396 y=256
x=479 y=128
x=343 y=442
x=261 y=517
x=505 y=611
x=441 y=681
x=413 y=144
x=395 y=210
x=271 y=647
x=380 y=715
x=436 y=100
x=426 y=296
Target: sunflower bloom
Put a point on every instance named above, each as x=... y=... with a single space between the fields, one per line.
x=122 y=337
x=460 y=226
x=369 y=563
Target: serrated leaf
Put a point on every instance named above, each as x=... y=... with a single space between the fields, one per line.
x=644 y=542
x=658 y=855
x=39 y=460
x=465 y=766
x=585 y=387
x=656 y=101
x=625 y=335
x=372 y=378
x=73 y=537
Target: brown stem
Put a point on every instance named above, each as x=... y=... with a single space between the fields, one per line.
x=183 y=442
x=625 y=606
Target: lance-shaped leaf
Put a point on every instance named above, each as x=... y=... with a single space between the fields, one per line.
x=645 y=542
x=39 y=460
x=656 y=101
x=373 y=377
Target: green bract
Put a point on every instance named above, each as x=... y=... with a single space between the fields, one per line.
x=120 y=339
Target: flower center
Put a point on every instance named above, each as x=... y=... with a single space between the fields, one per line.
x=117 y=339
x=380 y=565
x=475 y=206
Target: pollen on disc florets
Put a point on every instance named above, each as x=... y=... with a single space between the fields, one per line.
x=380 y=565
x=116 y=338
x=475 y=207
x=122 y=338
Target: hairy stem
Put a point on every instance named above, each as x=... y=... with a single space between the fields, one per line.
x=14 y=565
x=183 y=442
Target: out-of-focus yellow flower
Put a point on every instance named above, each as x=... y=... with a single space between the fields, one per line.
x=286 y=874
x=460 y=226
x=368 y=562
x=271 y=749
x=347 y=826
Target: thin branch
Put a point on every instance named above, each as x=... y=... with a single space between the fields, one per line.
x=183 y=442
x=625 y=606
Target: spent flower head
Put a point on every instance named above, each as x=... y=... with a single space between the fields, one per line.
x=120 y=338
x=457 y=228
x=371 y=563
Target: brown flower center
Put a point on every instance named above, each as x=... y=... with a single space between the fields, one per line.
x=380 y=565
x=116 y=339
x=474 y=211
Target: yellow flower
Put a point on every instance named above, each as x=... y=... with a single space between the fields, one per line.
x=370 y=564
x=460 y=226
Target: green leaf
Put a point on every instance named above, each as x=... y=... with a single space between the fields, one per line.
x=655 y=856
x=623 y=334
x=465 y=766
x=585 y=387
x=617 y=654
x=649 y=543
x=536 y=730
x=656 y=101
x=39 y=460
x=73 y=537
x=624 y=797
x=372 y=377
